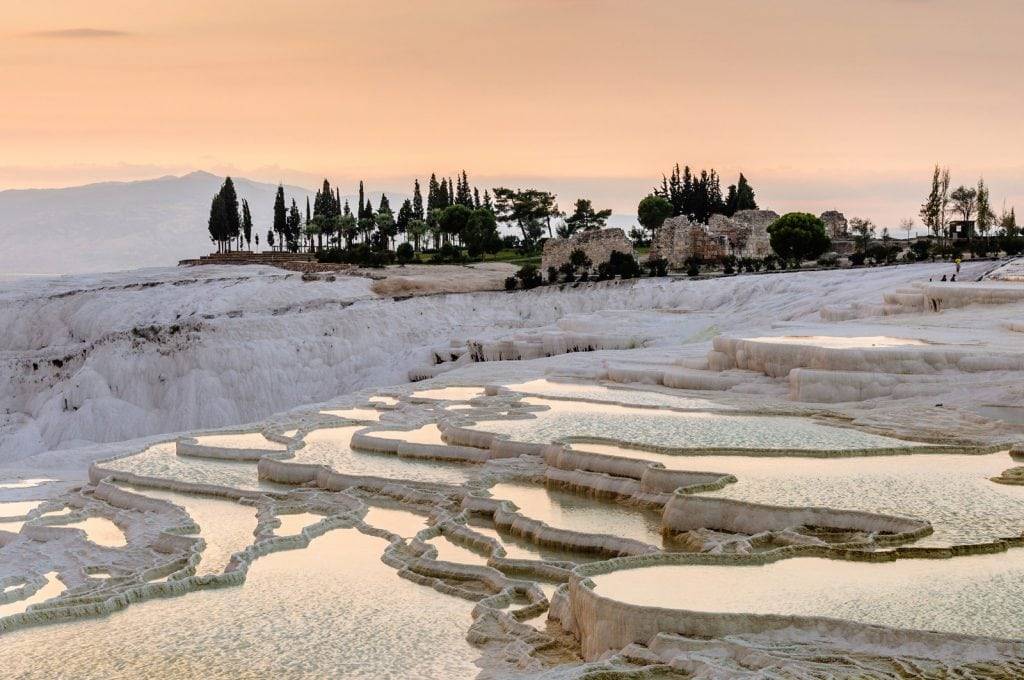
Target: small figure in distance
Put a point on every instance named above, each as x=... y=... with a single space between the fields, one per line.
x=943 y=278
x=952 y=278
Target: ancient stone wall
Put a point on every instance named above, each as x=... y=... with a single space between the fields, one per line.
x=597 y=244
x=745 y=234
x=836 y=225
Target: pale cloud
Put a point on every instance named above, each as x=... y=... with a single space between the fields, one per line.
x=79 y=33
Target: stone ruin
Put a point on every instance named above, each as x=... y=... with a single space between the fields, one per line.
x=835 y=225
x=597 y=244
x=745 y=234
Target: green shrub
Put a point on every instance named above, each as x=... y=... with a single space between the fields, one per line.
x=511 y=282
x=796 y=237
x=405 y=253
x=529 y=276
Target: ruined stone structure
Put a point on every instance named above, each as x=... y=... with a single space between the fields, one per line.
x=745 y=234
x=597 y=244
x=835 y=225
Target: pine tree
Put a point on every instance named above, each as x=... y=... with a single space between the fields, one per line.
x=280 y=216
x=985 y=215
x=385 y=204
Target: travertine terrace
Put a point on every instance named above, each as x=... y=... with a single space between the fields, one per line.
x=537 y=486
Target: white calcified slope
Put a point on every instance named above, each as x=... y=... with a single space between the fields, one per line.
x=111 y=357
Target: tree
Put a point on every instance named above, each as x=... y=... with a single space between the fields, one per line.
x=526 y=209
x=233 y=225
x=985 y=215
x=965 y=201
x=453 y=221
x=863 y=231
x=270 y=239
x=386 y=228
x=741 y=197
x=405 y=215
x=579 y=260
x=907 y=225
x=280 y=217
x=405 y=253
x=481 y=233
x=696 y=196
x=463 y=194
x=348 y=226
x=934 y=209
x=294 y=227
x=653 y=211
x=417 y=201
x=1008 y=222
x=416 y=229
x=584 y=218
x=247 y=225
x=217 y=223
x=796 y=237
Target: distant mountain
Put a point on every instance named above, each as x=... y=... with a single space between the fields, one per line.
x=119 y=225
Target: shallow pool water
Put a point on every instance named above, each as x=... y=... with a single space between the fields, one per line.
x=842 y=342
x=704 y=429
x=976 y=594
x=50 y=590
x=294 y=523
x=953 y=492
x=161 y=461
x=449 y=551
x=450 y=393
x=330 y=446
x=226 y=526
x=400 y=522
x=595 y=392
x=565 y=510
x=517 y=548
x=330 y=610
x=382 y=399
x=428 y=434
x=24 y=483
x=17 y=508
x=245 y=440
x=357 y=414
x=101 y=531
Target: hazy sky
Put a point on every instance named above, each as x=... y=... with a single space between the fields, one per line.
x=820 y=103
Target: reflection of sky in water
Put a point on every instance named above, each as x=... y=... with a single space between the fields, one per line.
x=975 y=594
x=330 y=447
x=565 y=510
x=675 y=429
x=640 y=397
x=245 y=440
x=296 y=616
x=451 y=393
x=162 y=462
x=226 y=526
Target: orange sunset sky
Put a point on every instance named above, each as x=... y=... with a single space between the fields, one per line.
x=821 y=103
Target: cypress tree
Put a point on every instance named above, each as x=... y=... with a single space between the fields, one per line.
x=417 y=201
x=307 y=210
x=217 y=223
x=385 y=204
x=362 y=213
x=476 y=198
x=433 y=194
x=247 y=223
x=280 y=215
x=233 y=224
x=745 y=195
